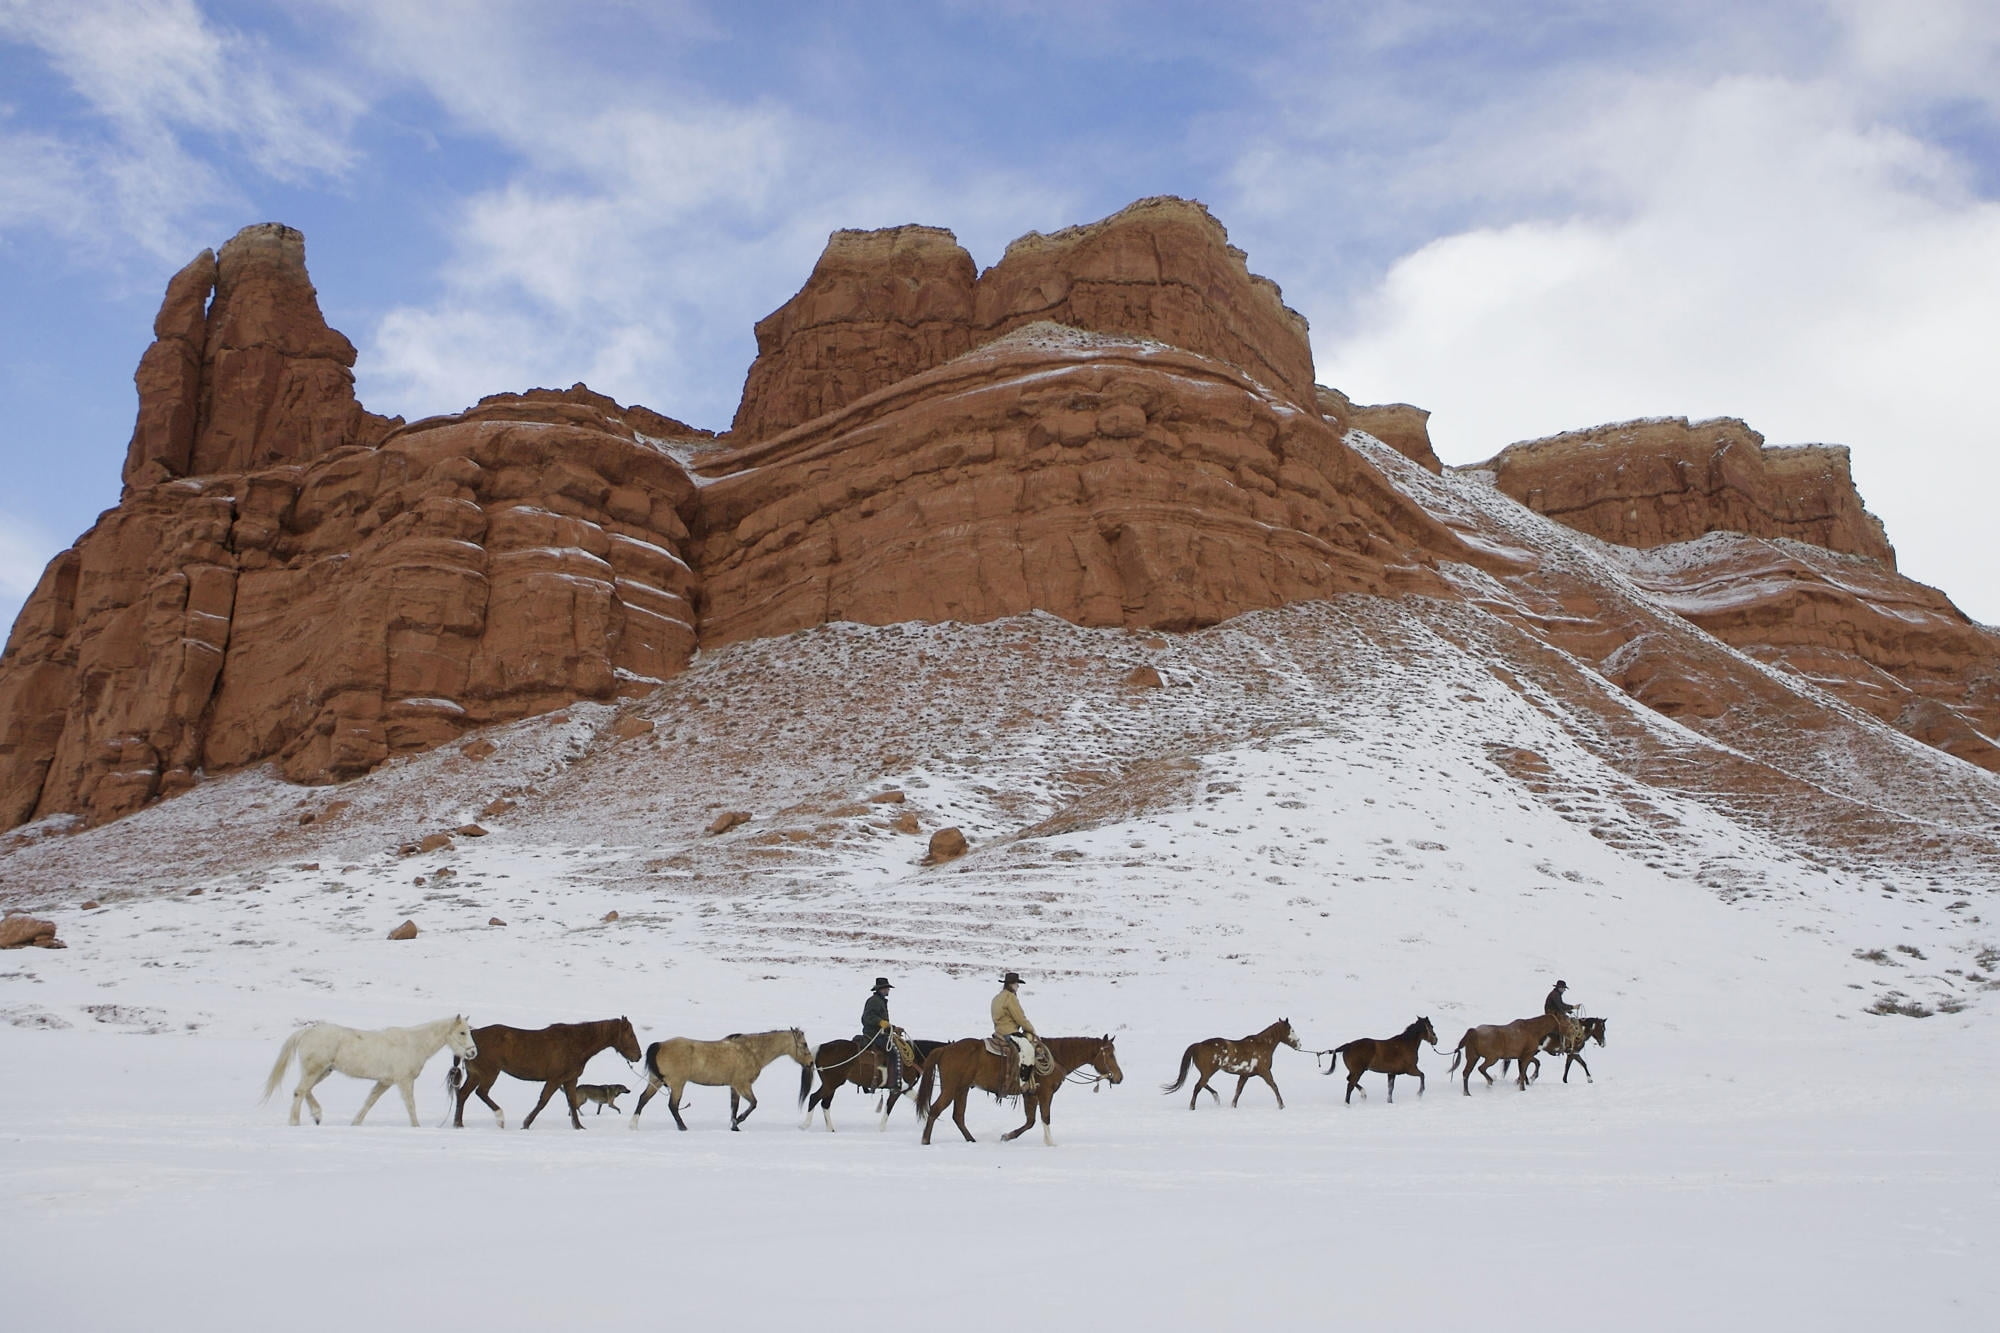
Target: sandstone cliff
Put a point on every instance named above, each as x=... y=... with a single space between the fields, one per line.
x=1115 y=424
x=881 y=306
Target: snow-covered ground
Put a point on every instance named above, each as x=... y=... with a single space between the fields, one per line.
x=1758 y=1148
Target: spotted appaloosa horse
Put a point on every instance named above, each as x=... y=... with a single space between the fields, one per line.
x=1246 y=1057
x=1385 y=1055
x=387 y=1055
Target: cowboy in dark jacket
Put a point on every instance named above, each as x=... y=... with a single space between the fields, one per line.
x=1556 y=1004
x=876 y=1032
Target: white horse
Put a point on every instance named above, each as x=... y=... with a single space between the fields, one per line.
x=388 y=1055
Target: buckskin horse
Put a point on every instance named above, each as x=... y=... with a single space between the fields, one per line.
x=390 y=1056
x=1247 y=1058
x=841 y=1061
x=957 y=1067
x=733 y=1063
x=1492 y=1043
x=554 y=1055
x=1384 y=1055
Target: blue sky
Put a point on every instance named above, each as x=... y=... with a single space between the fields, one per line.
x=1526 y=217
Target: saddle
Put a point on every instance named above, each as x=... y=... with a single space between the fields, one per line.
x=1024 y=1055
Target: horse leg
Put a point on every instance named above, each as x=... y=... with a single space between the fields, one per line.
x=1266 y=1076
x=485 y=1091
x=674 y=1091
x=1353 y=1082
x=1241 y=1080
x=408 y=1087
x=1028 y=1104
x=569 y=1091
x=1201 y=1086
x=930 y=1117
x=1578 y=1059
x=895 y=1093
x=374 y=1094
x=1392 y=1089
x=548 y=1091
x=1485 y=1065
x=308 y=1080
x=652 y=1086
x=748 y=1096
x=1421 y=1081
x=958 y=1112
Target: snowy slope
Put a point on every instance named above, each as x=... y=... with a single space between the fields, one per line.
x=1349 y=813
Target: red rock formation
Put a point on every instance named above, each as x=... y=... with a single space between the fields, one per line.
x=1770 y=550
x=1110 y=481
x=253 y=378
x=1404 y=428
x=472 y=569
x=881 y=306
x=1647 y=483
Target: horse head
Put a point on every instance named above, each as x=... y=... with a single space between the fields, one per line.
x=1287 y=1036
x=1105 y=1061
x=460 y=1039
x=1595 y=1027
x=625 y=1041
x=800 y=1050
x=1422 y=1027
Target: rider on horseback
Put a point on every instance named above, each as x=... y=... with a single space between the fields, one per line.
x=876 y=1031
x=1011 y=1025
x=1569 y=1031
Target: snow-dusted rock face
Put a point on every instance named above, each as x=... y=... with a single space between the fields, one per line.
x=1116 y=425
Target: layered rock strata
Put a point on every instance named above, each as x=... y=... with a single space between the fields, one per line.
x=881 y=306
x=1772 y=551
x=1110 y=481
x=1648 y=483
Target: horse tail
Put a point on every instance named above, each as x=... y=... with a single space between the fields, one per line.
x=806 y=1080
x=284 y=1058
x=1187 y=1058
x=1457 y=1052
x=454 y=1077
x=652 y=1069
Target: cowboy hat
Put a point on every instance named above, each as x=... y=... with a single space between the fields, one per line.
x=1011 y=979
x=882 y=983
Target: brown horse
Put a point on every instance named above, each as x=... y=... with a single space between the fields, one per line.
x=956 y=1068
x=733 y=1063
x=555 y=1054
x=1384 y=1055
x=1247 y=1058
x=1555 y=1044
x=1492 y=1043
x=841 y=1062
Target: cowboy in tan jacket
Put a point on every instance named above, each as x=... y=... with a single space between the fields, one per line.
x=1008 y=1020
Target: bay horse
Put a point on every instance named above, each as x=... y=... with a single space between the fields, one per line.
x=554 y=1056
x=1593 y=1030
x=1384 y=1055
x=1492 y=1043
x=387 y=1055
x=1247 y=1058
x=957 y=1067
x=840 y=1062
x=734 y=1063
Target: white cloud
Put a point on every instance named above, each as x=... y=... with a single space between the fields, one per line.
x=1791 y=250
x=163 y=86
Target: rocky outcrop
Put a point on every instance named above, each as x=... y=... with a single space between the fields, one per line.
x=1648 y=483
x=1404 y=428
x=250 y=379
x=1107 y=480
x=881 y=306
x=471 y=569
x=1892 y=647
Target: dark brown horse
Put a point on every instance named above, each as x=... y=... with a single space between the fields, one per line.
x=1384 y=1055
x=1495 y=1043
x=1246 y=1057
x=1592 y=1029
x=554 y=1055
x=841 y=1062
x=956 y=1068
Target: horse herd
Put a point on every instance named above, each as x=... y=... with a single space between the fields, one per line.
x=935 y=1075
